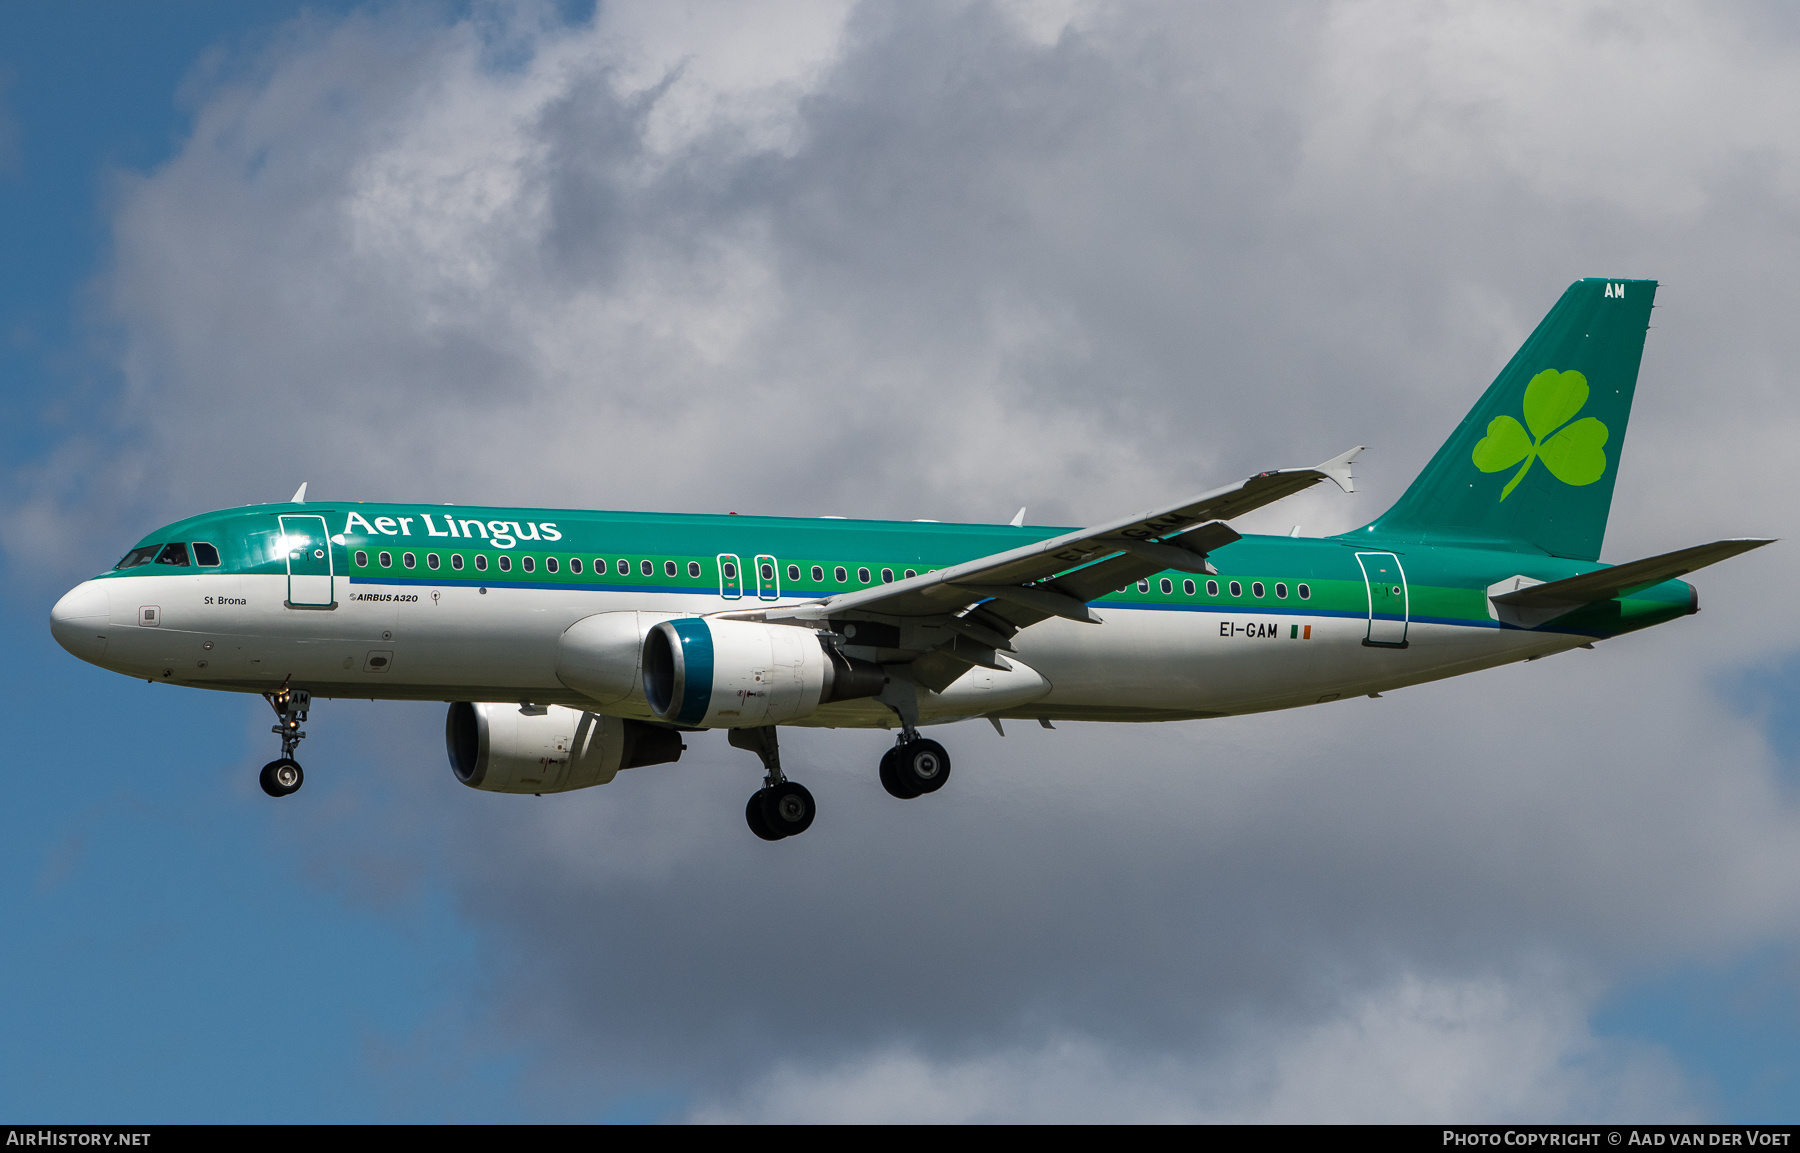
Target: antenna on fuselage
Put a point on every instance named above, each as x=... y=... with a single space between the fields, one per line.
x=300 y=494
x=1018 y=520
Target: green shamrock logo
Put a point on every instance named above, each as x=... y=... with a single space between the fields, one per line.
x=1574 y=455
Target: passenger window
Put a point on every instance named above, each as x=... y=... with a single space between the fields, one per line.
x=1212 y=588
x=887 y=576
x=840 y=574
x=1305 y=593
x=480 y=562
x=456 y=561
x=669 y=568
x=1237 y=590
x=386 y=559
x=1144 y=586
x=1256 y=589
x=1168 y=586
x=205 y=555
x=910 y=573
x=1187 y=587
x=362 y=559
x=138 y=556
x=818 y=575
x=1280 y=590
x=550 y=563
x=646 y=568
x=694 y=569
x=431 y=560
x=173 y=554
x=575 y=565
x=793 y=572
x=505 y=563
x=862 y=574
x=624 y=568
x=527 y=564
x=409 y=560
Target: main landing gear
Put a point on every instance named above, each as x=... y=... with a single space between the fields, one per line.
x=781 y=808
x=283 y=776
x=914 y=766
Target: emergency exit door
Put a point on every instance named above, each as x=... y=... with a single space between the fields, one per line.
x=1388 y=606
x=308 y=546
x=731 y=576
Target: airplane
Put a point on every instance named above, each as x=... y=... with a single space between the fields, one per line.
x=572 y=645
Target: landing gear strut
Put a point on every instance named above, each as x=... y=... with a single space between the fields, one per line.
x=283 y=776
x=915 y=765
x=781 y=808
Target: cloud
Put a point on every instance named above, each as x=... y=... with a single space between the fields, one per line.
x=1417 y=1051
x=942 y=260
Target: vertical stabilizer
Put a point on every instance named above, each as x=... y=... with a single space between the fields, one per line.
x=1533 y=464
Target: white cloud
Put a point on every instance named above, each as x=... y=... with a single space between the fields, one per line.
x=1416 y=1051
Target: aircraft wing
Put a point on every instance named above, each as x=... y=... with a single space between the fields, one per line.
x=1624 y=579
x=1058 y=577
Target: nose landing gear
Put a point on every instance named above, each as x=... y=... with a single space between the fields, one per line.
x=283 y=776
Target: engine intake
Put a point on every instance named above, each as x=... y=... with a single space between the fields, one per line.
x=708 y=673
x=497 y=748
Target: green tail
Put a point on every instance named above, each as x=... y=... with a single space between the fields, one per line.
x=1533 y=464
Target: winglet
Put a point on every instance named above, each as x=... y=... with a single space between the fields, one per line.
x=1018 y=520
x=1338 y=468
x=300 y=494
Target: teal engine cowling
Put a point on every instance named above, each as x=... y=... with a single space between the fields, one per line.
x=701 y=672
x=501 y=748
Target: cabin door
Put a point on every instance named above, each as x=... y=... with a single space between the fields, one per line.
x=1388 y=602
x=308 y=562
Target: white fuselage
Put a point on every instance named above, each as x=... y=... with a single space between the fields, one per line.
x=417 y=642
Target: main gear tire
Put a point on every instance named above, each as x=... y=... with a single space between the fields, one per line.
x=788 y=808
x=753 y=816
x=919 y=767
x=890 y=777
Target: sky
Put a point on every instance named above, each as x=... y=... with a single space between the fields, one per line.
x=932 y=260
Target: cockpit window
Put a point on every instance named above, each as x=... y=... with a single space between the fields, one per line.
x=205 y=555
x=174 y=554
x=138 y=556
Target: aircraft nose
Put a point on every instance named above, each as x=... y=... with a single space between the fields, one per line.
x=79 y=620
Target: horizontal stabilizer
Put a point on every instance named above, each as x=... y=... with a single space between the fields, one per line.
x=1625 y=579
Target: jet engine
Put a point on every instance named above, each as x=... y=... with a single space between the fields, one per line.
x=501 y=749
x=709 y=673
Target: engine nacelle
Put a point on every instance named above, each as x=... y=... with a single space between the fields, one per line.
x=497 y=748
x=709 y=673
x=599 y=658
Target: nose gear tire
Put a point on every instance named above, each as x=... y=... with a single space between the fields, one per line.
x=279 y=778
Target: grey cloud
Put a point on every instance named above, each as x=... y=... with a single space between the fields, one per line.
x=942 y=260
